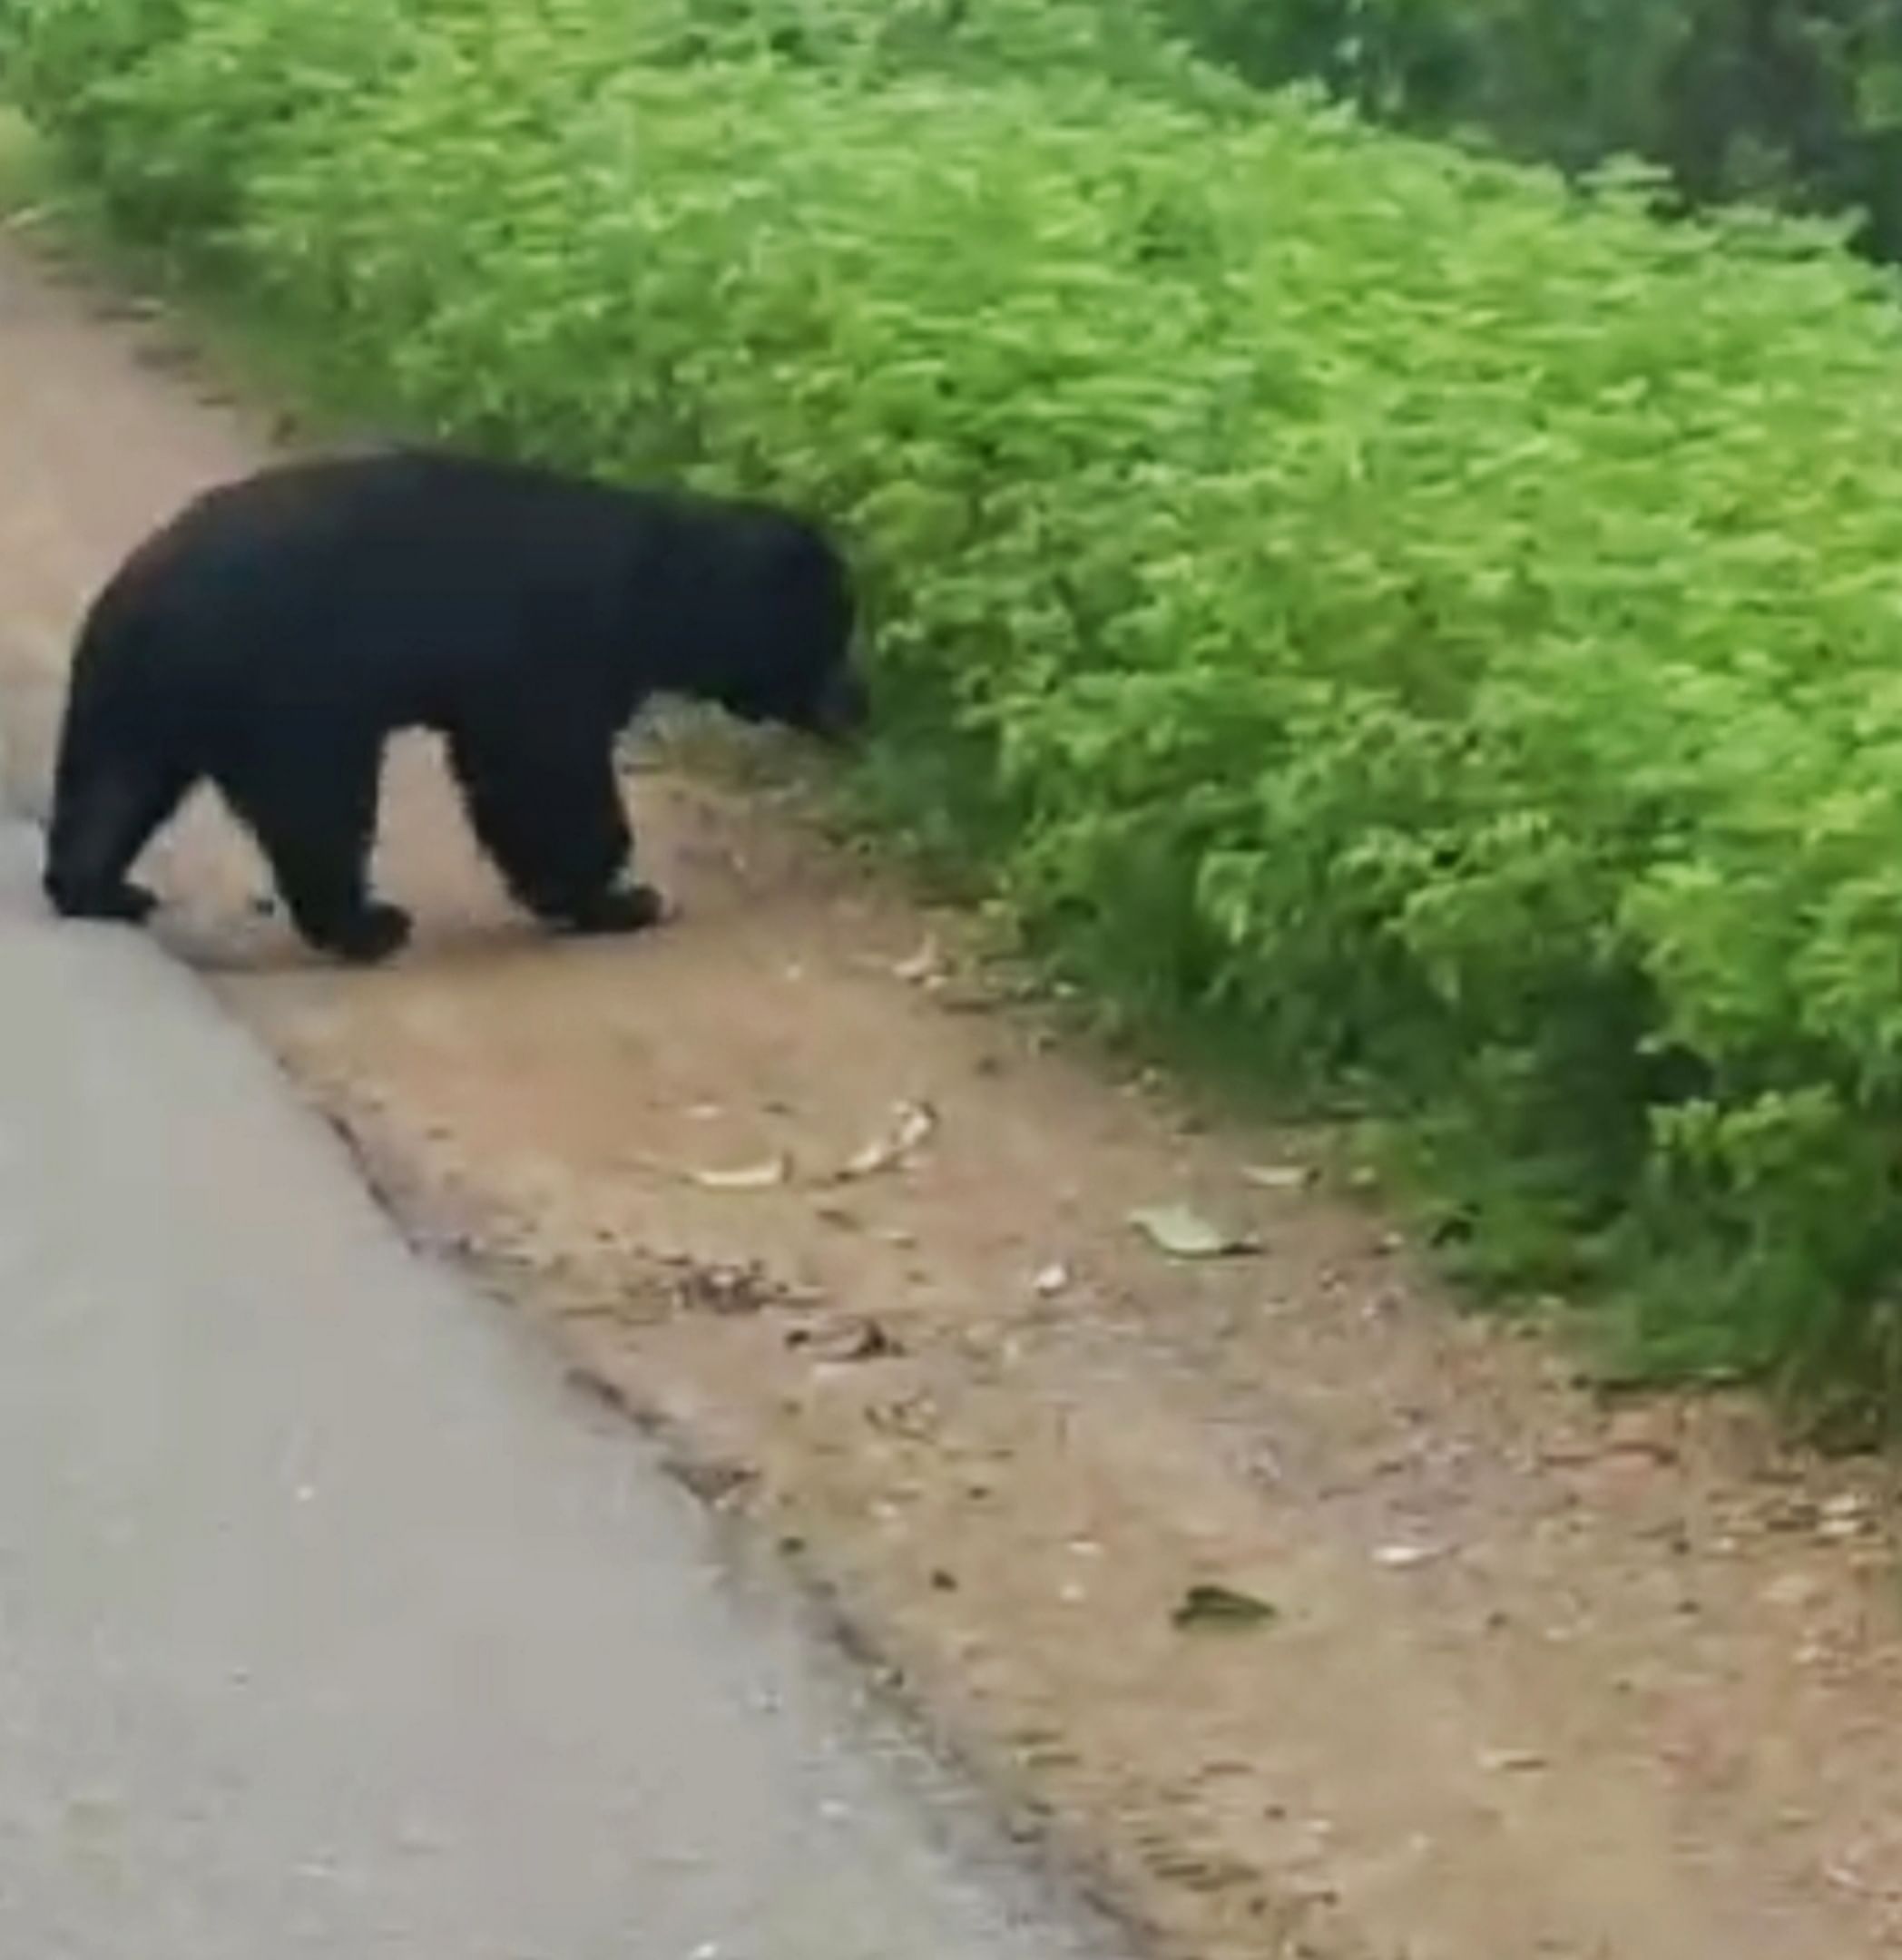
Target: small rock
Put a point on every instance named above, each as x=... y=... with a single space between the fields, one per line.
x=724 y=1288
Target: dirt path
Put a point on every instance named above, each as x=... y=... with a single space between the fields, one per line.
x=1542 y=1679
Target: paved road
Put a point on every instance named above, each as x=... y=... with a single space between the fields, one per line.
x=331 y=1622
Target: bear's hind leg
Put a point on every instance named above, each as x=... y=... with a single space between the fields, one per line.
x=312 y=807
x=102 y=817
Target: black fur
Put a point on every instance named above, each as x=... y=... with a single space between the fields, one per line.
x=276 y=633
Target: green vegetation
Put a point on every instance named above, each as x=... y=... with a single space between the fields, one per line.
x=1441 y=634
x=1795 y=101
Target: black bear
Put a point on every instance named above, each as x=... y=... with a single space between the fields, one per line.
x=273 y=635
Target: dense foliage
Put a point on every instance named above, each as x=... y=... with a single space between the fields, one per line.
x=1440 y=631
x=1798 y=101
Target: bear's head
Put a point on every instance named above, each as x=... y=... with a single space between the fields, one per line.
x=787 y=613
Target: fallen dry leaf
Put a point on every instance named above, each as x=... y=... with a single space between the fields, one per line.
x=1182 y=1233
x=912 y=1125
x=1797 y=1591
x=1504 y=1760
x=1221 y=1606
x=764 y=1176
x=1277 y=1177
x=1846 y=1515
x=861 y=1340
x=922 y=967
x=1405 y=1557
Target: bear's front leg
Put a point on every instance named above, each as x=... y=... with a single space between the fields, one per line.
x=544 y=803
x=626 y=908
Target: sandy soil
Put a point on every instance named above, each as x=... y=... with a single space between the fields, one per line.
x=1537 y=1677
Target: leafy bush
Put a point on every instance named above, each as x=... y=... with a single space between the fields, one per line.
x=1368 y=599
x=1796 y=102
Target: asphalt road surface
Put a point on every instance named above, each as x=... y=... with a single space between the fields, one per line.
x=333 y=1621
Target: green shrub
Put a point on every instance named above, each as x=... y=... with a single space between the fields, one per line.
x=1440 y=631
x=1795 y=101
